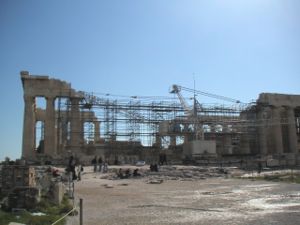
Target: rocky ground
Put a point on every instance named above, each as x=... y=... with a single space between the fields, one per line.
x=185 y=195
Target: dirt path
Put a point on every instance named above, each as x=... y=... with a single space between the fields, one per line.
x=206 y=201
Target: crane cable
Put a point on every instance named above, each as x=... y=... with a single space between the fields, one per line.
x=208 y=94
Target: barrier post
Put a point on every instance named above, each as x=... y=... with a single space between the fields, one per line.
x=80 y=212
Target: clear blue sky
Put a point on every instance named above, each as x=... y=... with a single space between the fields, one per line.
x=235 y=48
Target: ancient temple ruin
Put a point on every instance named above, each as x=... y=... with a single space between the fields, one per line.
x=278 y=117
x=131 y=129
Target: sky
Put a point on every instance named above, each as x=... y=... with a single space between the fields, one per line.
x=141 y=47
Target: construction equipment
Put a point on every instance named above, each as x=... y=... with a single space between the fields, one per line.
x=192 y=115
x=177 y=88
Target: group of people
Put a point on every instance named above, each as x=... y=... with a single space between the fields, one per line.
x=163 y=159
x=127 y=173
x=153 y=167
x=99 y=165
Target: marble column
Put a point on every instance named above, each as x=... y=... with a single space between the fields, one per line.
x=97 y=131
x=227 y=144
x=76 y=124
x=292 y=132
x=262 y=132
x=62 y=134
x=50 y=137
x=66 y=130
x=28 y=142
x=277 y=130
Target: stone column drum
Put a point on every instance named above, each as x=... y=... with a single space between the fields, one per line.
x=29 y=128
x=76 y=124
x=50 y=134
x=97 y=131
x=262 y=133
x=277 y=131
x=292 y=130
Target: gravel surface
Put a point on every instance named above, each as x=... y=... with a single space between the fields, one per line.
x=204 y=197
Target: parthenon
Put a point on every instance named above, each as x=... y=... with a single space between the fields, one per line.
x=279 y=131
x=132 y=129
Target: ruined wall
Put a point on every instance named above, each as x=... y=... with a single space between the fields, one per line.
x=277 y=123
x=56 y=140
x=276 y=127
x=17 y=176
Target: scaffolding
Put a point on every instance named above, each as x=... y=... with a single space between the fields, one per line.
x=139 y=119
x=95 y=123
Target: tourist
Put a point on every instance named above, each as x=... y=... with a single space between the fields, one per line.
x=154 y=168
x=55 y=172
x=100 y=161
x=105 y=167
x=259 y=167
x=162 y=159
x=127 y=173
x=136 y=173
x=120 y=174
x=79 y=171
x=71 y=167
x=94 y=163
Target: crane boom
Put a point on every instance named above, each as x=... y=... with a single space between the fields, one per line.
x=176 y=90
x=220 y=97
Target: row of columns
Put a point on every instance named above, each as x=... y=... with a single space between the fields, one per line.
x=50 y=137
x=270 y=125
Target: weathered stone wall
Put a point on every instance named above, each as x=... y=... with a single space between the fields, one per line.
x=18 y=183
x=277 y=124
x=17 y=176
x=56 y=141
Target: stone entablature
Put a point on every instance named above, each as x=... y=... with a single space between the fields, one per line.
x=43 y=86
x=279 y=100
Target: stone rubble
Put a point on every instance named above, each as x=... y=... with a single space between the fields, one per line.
x=181 y=173
x=22 y=186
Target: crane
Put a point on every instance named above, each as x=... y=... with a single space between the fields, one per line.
x=177 y=88
x=190 y=112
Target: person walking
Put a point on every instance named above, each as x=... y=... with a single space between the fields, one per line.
x=71 y=166
x=79 y=171
x=100 y=162
x=105 y=167
x=94 y=163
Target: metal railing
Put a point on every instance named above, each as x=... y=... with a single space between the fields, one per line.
x=72 y=211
